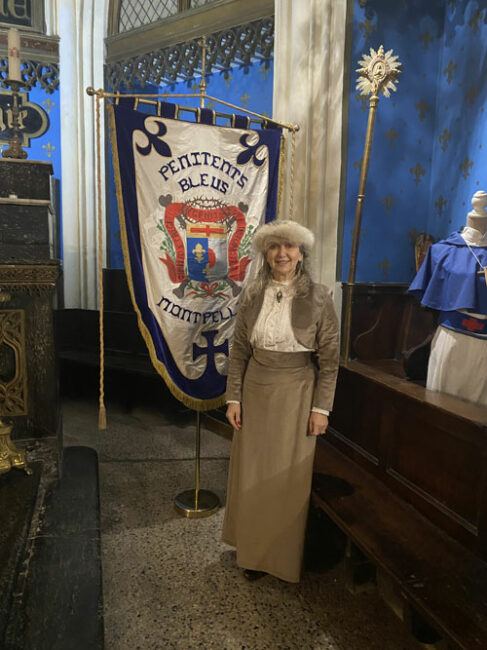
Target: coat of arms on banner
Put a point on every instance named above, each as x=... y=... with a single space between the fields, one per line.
x=192 y=196
x=213 y=258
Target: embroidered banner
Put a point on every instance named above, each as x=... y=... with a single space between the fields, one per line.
x=190 y=197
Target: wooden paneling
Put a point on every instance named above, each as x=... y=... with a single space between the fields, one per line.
x=429 y=448
x=354 y=418
x=438 y=466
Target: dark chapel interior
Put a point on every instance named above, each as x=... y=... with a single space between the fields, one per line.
x=93 y=553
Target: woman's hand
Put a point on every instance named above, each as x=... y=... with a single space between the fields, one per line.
x=234 y=415
x=317 y=423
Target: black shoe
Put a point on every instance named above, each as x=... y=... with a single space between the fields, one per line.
x=250 y=574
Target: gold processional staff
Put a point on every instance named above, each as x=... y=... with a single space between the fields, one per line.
x=378 y=72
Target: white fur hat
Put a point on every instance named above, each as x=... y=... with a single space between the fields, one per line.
x=283 y=230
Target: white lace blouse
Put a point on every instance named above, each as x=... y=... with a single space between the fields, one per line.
x=273 y=329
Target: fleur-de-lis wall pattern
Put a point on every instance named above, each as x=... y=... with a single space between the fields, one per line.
x=440 y=204
x=427 y=39
x=428 y=153
x=391 y=135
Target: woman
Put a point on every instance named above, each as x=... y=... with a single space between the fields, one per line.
x=277 y=402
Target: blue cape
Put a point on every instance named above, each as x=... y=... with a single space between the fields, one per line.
x=448 y=278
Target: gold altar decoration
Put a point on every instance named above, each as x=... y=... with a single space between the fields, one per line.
x=35 y=280
x=13 y=388
x=14 y=81
x=378 y=72
x=14 y=149
x=10 y=456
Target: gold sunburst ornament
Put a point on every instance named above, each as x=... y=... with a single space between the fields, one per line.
x=379 y=72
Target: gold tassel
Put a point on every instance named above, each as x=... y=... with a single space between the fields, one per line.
x=102 y=417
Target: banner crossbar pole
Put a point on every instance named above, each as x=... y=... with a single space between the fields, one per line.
x=104 y=94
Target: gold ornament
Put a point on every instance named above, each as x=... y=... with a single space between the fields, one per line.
x=379 y=72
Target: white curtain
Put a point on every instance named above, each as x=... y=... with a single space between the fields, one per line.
x=82 y=26
x=308 y=87
x=50 y=17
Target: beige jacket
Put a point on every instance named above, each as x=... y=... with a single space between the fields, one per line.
x=315 y=326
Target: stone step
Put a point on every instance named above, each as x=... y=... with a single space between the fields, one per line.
x=60 y=604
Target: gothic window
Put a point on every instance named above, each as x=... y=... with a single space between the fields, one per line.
x=135 y=13
x=154 y=41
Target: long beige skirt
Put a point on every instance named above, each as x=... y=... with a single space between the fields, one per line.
x=271 y=465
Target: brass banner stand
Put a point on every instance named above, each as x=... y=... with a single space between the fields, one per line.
x=378 y=72
x=197 y=503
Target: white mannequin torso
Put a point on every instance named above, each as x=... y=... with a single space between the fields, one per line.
x=477 y=218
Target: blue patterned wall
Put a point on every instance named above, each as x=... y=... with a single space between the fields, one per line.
x=48 y=146
x=428 y=153
x=460 y=146
x=249 y=87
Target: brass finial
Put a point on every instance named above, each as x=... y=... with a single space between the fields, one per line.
x=202 y=85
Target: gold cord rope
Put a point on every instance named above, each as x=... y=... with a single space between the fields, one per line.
x=280 y=180
x=291 y=192
x=102 y=414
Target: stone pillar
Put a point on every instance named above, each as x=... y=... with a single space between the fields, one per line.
x=28 y=375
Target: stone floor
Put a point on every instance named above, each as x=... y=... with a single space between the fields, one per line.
x=169 y=582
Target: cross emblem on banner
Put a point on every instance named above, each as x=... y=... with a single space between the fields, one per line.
x=210 y=351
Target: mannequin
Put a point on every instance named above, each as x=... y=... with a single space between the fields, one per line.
x=477 y=218
x=453 y=280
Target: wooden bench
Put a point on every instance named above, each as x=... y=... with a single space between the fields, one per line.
x=445 y=582
x=403 y=471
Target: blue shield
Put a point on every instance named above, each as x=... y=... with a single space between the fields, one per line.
x=206 y=251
